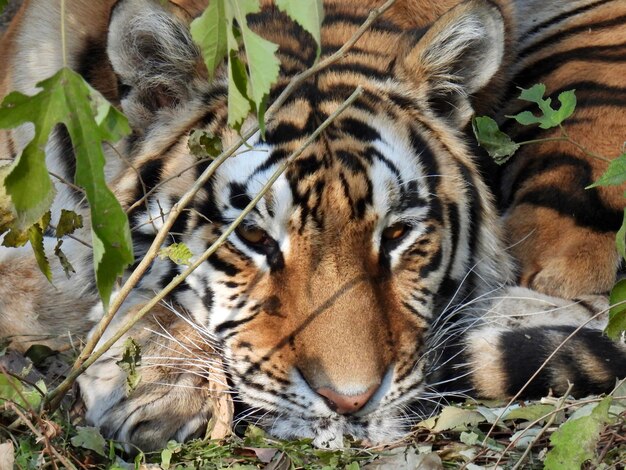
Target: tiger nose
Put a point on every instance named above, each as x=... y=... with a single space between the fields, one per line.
x=346 y=404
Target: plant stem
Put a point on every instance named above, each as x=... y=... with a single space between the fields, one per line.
x=63 y=40
x=55 y=396
x=542 y=431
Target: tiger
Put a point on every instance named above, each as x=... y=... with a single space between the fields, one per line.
x=388 y=268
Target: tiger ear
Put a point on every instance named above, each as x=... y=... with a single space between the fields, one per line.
x=456 y=58
x=154 y=57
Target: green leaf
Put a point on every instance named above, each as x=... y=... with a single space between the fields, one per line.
x=550 y=117
x=68 y=222
x=204 y=144
x=575 y=441
x=3 y=4
x=209 y=32
x=239 y=105
x=12 y=389
x=179 y=253
x=35 y=236
x=617 y=313
x=620 y=238
x=262 y=62
x=66 y=98
x=308 y=13
x=614 y=175
x=68 y=269
x=530 y=412
x=499 y=145
x=130 y=361
x=7 y=211
x=90 y=438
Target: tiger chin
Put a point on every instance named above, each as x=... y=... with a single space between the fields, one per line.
x=372 y=280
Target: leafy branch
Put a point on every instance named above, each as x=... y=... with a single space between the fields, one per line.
x=501 y=147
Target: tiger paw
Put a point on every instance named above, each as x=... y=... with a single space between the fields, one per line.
x=181 y=391
x=559 y=258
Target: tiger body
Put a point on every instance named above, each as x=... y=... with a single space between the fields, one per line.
x=376 y=273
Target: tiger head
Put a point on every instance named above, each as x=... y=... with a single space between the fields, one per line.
x=327 y=299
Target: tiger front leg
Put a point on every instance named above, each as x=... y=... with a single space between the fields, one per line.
x=558 y=255
x=182 y=388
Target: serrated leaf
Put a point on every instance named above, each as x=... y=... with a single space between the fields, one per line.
x=209 y=32
x=260 y=53
x=90 y=438
x=575 y=441
x=617 y=313
x=614 y=175
x=308 y=13
x=35 y=236
x=15 y=238
x=202 y=144
x=130 y=361
x=550 y=117
x=69 y=222
x=530 y=412
x=66 y=98
x=498 y=144
x=68 y=269
x=239 y=105
x=179 y=253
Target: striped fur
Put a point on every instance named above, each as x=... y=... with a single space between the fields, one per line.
x=327 y=303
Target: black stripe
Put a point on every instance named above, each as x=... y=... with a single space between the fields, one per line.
x=524 y=350
x=431 y=167
x=231 y=324
x=350 y=161
x=561 y=17
x=367 y=71
x=359 y=129
x=223 y=266
x=534 y=71
x=585 y=206
x=587 y=212
x=566 y=33
x=334 y=17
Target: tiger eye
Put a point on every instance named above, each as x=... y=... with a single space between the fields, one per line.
x=395 y=231
x=253 y=235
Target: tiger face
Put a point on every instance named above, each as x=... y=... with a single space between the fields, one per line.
x=323 y=298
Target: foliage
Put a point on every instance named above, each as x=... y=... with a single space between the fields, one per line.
x=90 y=120
x=221 y=30
x=130 y=361
x=501 y=147
x=549 y=117
x=498 y=144
x=179 y=253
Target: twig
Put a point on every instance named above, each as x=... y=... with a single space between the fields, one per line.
x=541 y=431
x=188 y=197
x=40 y=436
x=57 y=394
